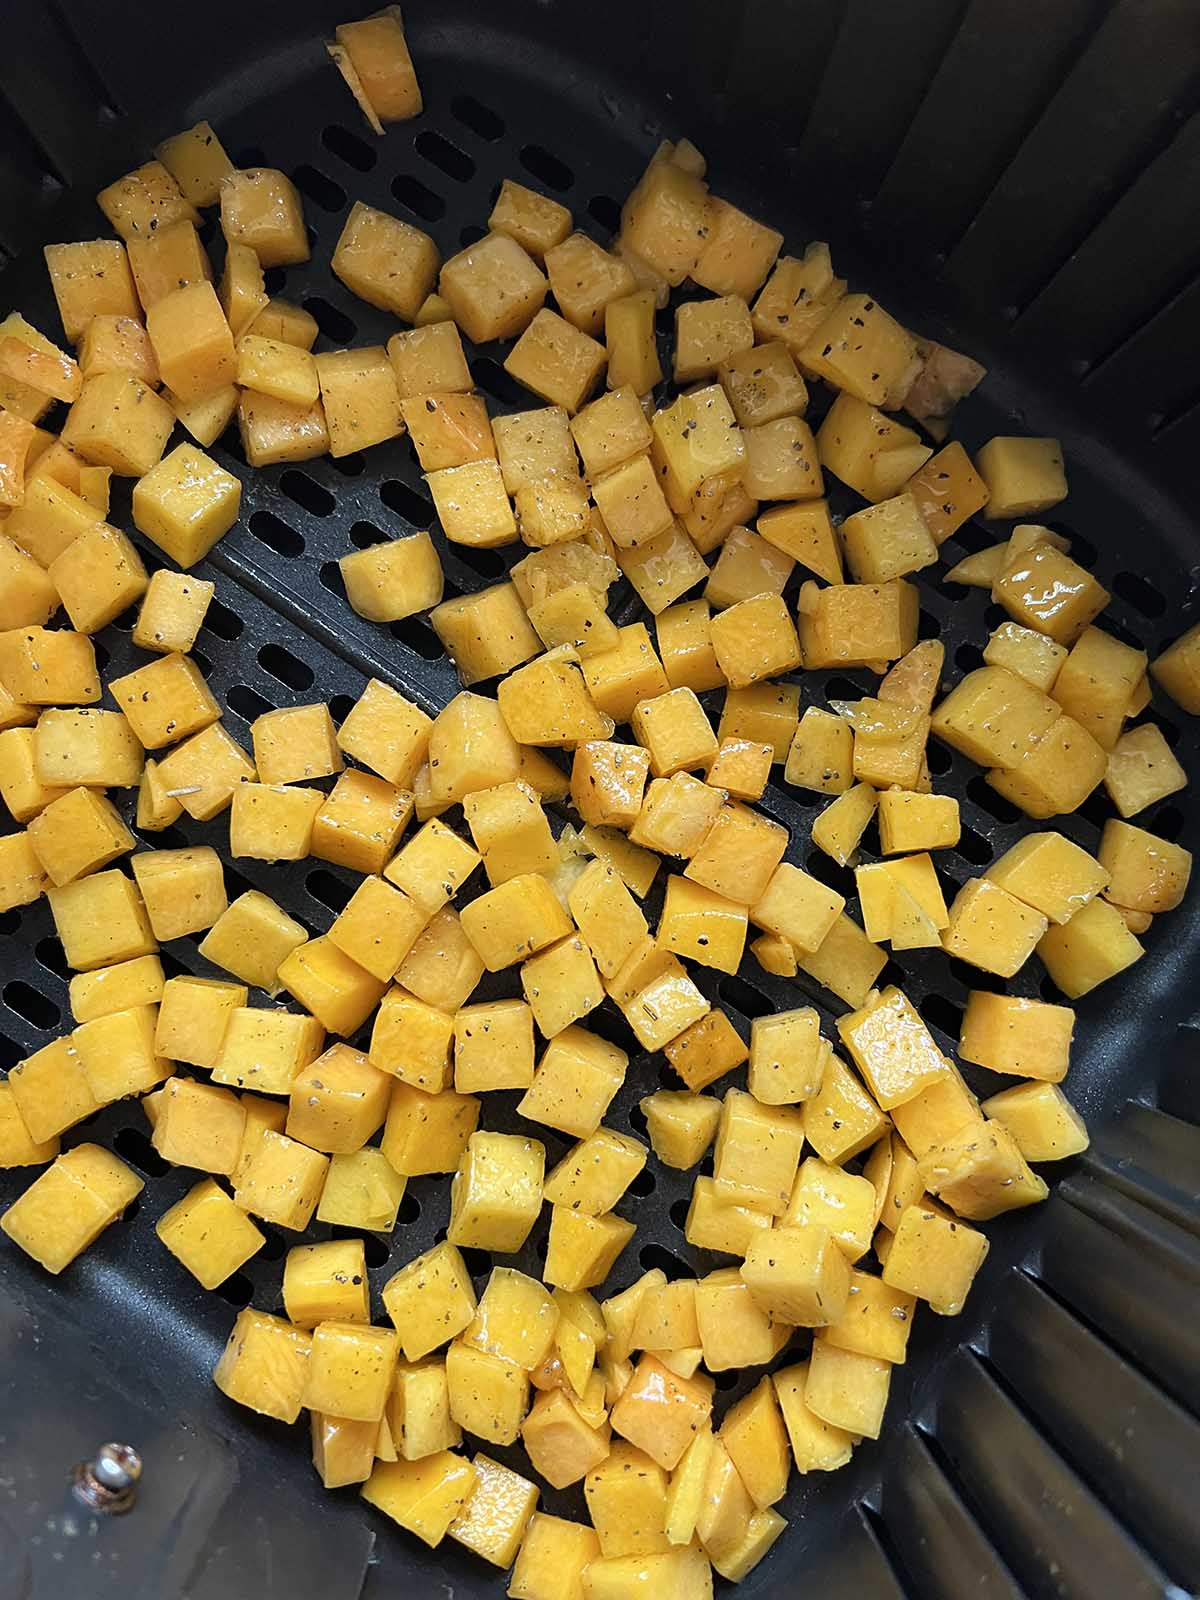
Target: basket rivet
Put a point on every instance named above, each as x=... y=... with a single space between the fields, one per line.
x=109 y=1482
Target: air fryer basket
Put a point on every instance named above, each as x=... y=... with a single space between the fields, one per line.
x=1023 y=182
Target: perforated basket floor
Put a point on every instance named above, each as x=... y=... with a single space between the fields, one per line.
x=1044 y=1444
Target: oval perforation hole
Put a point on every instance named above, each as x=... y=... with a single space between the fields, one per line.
x=330 y=575
x=274 y=279
x=348 y=147
x=285 y=667
x=250 y=156
x=605 y=210
x=351 y=466
x=410 y=1208
x=841 y=689
x=986 y=798
x=743 y=997
x=334 y=324
x=306 y=493
x=415 y=197
x=928 y=626
x=418 y=636
x=939 y=758
x=135 y=1146
x=644 y=1184
x=478 y=1262
x=409 y=504
x=678 y=1211
x=272 y=531
x=340 y=706
x=968 y=656
x=10 y=1052
x=50 y=955
x=31 y=1004
x=274 y=1244
x=318 y=187
x=236 y=1290
x=246 y=702
x=328 y=889
x=1140 y=593
x=444 y=155
x=481 y=119
x=727 y=1378
x=103 y=654
x=491 y=377
x=202 y=662
x=537 y=159
x=364 y=534
x=973 y=847
x=471 y=234
x=827 y=871
x=1168 y=823
x=939 y=1012
x=487 y=563
x=10 y=921
x=657 y=1255
x=224 y=623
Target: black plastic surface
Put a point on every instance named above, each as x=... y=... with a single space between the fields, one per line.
x=1003 y=1464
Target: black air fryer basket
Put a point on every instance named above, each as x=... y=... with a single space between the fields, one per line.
x=1017 y=178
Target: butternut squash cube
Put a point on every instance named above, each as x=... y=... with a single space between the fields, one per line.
x=797 y=298
x=496 y=1194
x=264 y=1365
x=251 y=939
x=659 y=1412
x=553 y=1555
x=418 y=1411
x=854 y=624
x=493 y=1046
x=359 y=397
x=337 y=1102
x=443 y=967
x=846 y=1389
x=493 y=289
x=186 y=504
x=67 y=1208
x=429 y=360
x=798 y=1275
x=119 y=422
x=561 y=985
x=536 y=222
x=584 y=280
x=430 y=1300
x=867 y=450
x=861 y=349
x=892 y=1048
x=706 y=1050
x=991 y=928
x=934 y=1258
x=424 y=1496
x=73 y=836
x=1030 y=655
x=433 y=865
x=1145 y=873
x=787 y=1056
x=384 y=261
x=265 y=1049
x=273 y=431
x=199 y=1126
x=427 y=1132
x=665 y=220
x=817 y=1446
x=208 y=1234
x=993 y=716
x=561 y=1445
x=841 y=1120
x=1041 y=587
x=980 y=1173
x=193 y=1017
x=712 y=1224
x=1142 y=769
x=887 y=541
x=629 y=335
x=261 y=208
x=910 y=822
x=361 y=1190
x=472 y=505
x=1094 y=946
x=1026 y=1038
x=583 y=1250
x=100 y=919
x=574 y=1082
x=680 y=1125
x=1177 y=669
x=95 y=748
x=282 y=1181
x=757 y=1152
x=703 y=925
x=494 y=1516
x=697 y=442
x=791 y=903
x=90 y=278
x=360 y=822
x=1041 y=1120
x=326 y=982
x=557 y=361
